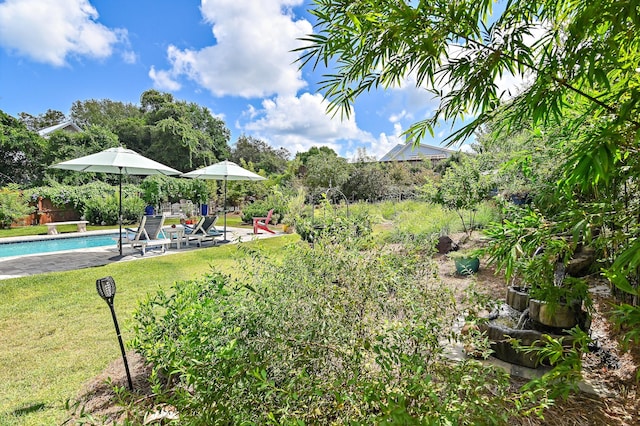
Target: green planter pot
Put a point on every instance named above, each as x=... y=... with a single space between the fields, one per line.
x=467 y=265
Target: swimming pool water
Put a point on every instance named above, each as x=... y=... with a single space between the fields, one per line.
x=58 y=244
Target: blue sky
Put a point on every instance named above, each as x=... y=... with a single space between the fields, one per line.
x=231 y=56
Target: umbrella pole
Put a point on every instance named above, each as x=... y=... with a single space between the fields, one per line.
x=119 y=217
x=120 y=210
x=224 y=211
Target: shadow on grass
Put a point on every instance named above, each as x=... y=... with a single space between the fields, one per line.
x=30 y=409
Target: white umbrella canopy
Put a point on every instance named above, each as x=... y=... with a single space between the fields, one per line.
x=224 y=170
x=118 y=161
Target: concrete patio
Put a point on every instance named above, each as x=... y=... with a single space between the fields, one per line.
x=20 y=266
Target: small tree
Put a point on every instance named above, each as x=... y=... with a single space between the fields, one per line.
x=13 y=206
x=461 y=189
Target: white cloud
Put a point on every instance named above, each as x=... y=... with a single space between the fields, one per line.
x=49 y=31
x=129 y=57
x=300 y=123
x=252 y=56
x=466 y=148
x=386 y=142
x=162 y=80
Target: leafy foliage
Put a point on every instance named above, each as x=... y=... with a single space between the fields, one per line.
x=461 y=189
x=34 y=123
x=261 y=154
x=21 y=153
x=97 y=201
x=259 y=209
x=329 y=334
x=564 y=354
x=325 y=171
x=157 y=189
x=580 y=60
x=584 y=49
x=13 y=205
x=105 y=209
x=65 y=146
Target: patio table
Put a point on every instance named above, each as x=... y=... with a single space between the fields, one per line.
x=175 y=233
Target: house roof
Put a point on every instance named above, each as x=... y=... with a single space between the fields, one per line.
x=406 y=152
x=66 y=125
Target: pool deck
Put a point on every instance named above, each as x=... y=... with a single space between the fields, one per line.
x=21 y=266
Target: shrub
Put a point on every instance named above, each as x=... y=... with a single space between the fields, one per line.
x=327 y=335
x=335 y=228
x=461 y=189
x=157 y=189
x=255 y=209
x=13 y=206
x=105 y=209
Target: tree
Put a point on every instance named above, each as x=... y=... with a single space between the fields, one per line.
x=461 y=189
x=105 y=113
x=367 y=180
x=261 y=154
x=325 y=171
x=13 y=206
x=65 y=146
x=183 y=135
x=21 y=153
x=42 y=121
x=304 y=156
x=585 y=52
x=580 y=58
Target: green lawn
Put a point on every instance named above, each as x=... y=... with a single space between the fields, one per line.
x=56 y=333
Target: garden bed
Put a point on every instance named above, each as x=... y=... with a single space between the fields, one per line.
x=612 y=376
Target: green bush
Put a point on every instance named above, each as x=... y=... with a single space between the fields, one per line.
x=98 y=210
x=335 y=228
x=259 y=209
x=157 y=189
x=13 y=206
x=326 y=335
x=73 y=195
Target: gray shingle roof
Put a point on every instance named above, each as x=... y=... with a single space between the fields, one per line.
x=406 y=152
x=66 y=125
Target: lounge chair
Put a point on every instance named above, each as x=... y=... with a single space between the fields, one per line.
x=148 y=234
x=204 y=230
x=262 y=222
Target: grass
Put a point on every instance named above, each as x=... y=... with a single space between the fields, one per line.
x=56 y=333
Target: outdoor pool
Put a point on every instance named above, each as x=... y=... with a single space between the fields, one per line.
x=22 y=248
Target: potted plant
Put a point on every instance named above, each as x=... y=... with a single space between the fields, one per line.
x=467 y=262
x=559 y=304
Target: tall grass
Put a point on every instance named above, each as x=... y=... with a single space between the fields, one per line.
x=421 y=220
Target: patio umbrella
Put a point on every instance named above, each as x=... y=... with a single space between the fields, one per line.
x=117 y=161
x=224 y=170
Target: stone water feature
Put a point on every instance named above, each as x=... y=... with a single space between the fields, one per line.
x=526 y=319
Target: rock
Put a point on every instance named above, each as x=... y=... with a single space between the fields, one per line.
x=445 y=245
